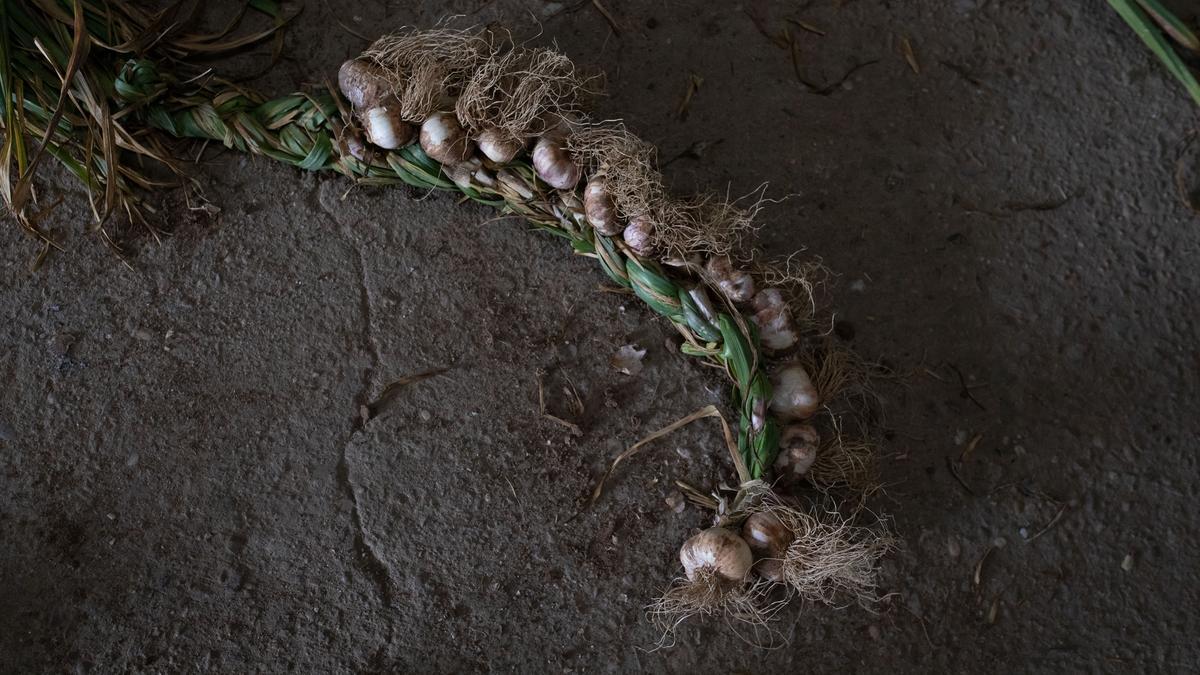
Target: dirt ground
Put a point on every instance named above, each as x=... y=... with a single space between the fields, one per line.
x=186 y=487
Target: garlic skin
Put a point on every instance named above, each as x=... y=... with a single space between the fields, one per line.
x=553 y=163
x=461 y=173
x=639 y=235
x=793 y=394
x=770 y=569
x=716 y=551
x=443 y=139
x=774 y=320
x=766 y=535
x=737 y=285
x=384 y=128
x=351 y=143
x=497 y=147
x=600 y=209
x=798 y=444
x=362 y=83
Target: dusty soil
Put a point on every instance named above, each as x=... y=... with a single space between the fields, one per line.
x=186 y=486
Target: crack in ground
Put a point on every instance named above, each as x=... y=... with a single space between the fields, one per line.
x=367 y=556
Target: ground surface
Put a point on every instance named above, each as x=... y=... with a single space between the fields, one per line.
x=184 y=488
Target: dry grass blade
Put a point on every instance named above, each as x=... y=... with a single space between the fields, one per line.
x=389 y=392
x=910 y=55
x=706 y=411
x=79 y=51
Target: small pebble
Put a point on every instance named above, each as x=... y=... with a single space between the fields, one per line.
x=1127 y=563
x=1019 y=450
x=676 y=502
x=953 y=547
x=425 y=416
x=1000 y=542
x=960 y=437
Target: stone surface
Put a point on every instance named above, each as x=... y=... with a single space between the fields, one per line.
x=188 y=485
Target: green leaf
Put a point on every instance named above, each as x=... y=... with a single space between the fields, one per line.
x=1148 y=32
x=1171 y=24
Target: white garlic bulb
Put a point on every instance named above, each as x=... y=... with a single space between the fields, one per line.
x=600 y=209
x=793 y=394
x=716 y=552
x=384 y=127
x=774 y=319
x=498 y=147
x=362 y=83
x=554 y=164
x=737 y=285
x=798 y=447
x=443 y=139
x=766 y=535
x=639 y=235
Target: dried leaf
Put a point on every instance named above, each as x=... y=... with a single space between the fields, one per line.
x=910 y=55
x=628 y=359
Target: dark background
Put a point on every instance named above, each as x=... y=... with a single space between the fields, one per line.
x=184 y=489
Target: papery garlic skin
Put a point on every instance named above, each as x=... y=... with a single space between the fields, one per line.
x=554 y=164
x=362 y=83
x=774 y=320
x=600 y=209
x=385 y=129
x=639 y=235
x=497 y=147
x=766 y=535
x=716 y=551
x=798 y=448
x=443 y=139
x=737 y=285
x=793 y=394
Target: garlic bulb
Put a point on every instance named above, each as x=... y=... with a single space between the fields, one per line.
x=384 y=127
x=716 y=551
x=798 y=446
x=362 y=83
x=553 y=163
x=443 y=139
x=639 y=235
x=600 y=208
x=774 y=319
x=351 y=143
x=498 y=147
x=766 y=535
x=770 y=569
x=793 y=394
x=737 y=285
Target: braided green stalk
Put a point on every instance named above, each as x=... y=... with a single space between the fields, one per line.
x=303 y=130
